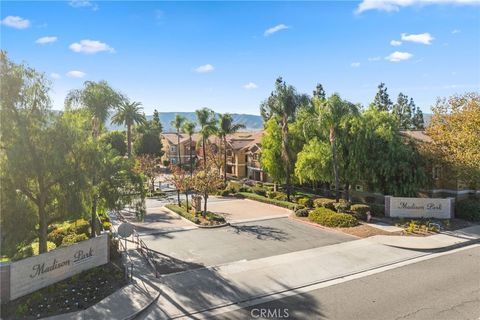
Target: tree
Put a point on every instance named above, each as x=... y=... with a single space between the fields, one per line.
x=148 y=142
x=182 y=182
x=382 y=101
x=98 y=98
x=314 y=162
x=331 y=115
x=189 y=128
x=147 y=165
x=204 y=182
x=206 y=121
x=417 y=116
x=455 y=130
x=116 y=139
x=129 y=114
x=282 y=106
x=319 y=92
x=226 y=127
x=177 y=123
x=156 y=120
x=403 y=112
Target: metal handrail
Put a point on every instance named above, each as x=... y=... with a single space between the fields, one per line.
x=146 y=252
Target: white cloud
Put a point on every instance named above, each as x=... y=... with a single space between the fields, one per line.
x=425 y=38
x=355 y=64
x=205 y=68
x=83 y=4
x=45 y=40
x=399 y=56
x=395 y=5
x=76 y=74
x=274 y=29
x=250 y=85
x=375 y=59
x=16 y=22
x=54 y=75
x=455 y=31
x=395 y=43
x=90 y=47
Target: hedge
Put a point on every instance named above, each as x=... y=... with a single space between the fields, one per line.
x=305 y=201
x=342 y=206
x=468 y=209
x=324 y=203
x=360 y=210
x=302 y=213
x=378 y=209
x=73 y=238
x=330 y=218
x=260 y=191
x=31 y=249
x=256 y=197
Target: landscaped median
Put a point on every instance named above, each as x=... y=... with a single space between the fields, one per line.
x=208 y=220
x=257 y=197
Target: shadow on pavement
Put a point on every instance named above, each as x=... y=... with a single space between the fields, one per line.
x=262 y=232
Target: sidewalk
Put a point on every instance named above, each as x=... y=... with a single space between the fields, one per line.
x=199 y=290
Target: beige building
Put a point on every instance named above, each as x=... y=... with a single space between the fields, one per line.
x=243 y=152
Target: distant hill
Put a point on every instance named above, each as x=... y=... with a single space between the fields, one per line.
x=251 y=122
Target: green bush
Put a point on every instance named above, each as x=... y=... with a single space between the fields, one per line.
x=234 y=186
x=31 y=250
x=260 y=191
x=324 y=203
x=80 y=226
x=301 y=212
x=468 y=209
x=107 y=225
x=281 y=196
x=330 y=218
x=73 y=238
x=342 y=206
x=272 y=194
x=224 y=193
x=360 y=211
x=377 y=209
x=57 y=235
x=305 y=201
x=252 y=196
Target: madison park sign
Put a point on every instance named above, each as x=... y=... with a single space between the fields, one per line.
x=33 y=273
x=419 y=207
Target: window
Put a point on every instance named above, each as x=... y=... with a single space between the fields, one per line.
x=437 y=172
x=173 y=148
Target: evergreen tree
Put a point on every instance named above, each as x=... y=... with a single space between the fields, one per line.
x=403 y=112
x=319 y=92
x=382 y=101
x=417 y=116
x=156 y=120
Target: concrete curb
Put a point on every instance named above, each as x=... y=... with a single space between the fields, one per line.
x=440 y=248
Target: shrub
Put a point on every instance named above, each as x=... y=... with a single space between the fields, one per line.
x=324 y=203
x=330 y=218
x=57 y=235
x=31 y=249
x=224 y=193
x=107 y=225
x=80 y=226
x=272 y=194
x=301 y=212
x=73 y=238
x=260 y=191
x=468 y=209
x=378 y=209
x=342 y=206
x=252 y=196
x=281 y=196
x=360 y=211
x=166 y=163
x=305 y=201
x=234 y=186
x=245 y=189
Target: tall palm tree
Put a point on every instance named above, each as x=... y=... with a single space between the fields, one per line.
x=189 y=128
x=282 y=106
x=206 y=121
x=177 y=123
x=226 y=127
x=331 y=114
x=98 y=98
x=129 y=114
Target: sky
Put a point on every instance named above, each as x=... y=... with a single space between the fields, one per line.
x=180 y=56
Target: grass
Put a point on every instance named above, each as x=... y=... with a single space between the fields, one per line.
x=256 y=197
x=211 y=218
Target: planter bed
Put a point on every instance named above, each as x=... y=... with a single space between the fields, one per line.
x=256 y=197
x=211 y=220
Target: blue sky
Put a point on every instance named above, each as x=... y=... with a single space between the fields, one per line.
x=179 y=56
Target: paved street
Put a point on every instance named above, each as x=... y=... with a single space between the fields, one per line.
x=244 y=241
x=446 y=287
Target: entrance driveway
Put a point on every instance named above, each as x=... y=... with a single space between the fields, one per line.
x=183 y=250
x=244 y=210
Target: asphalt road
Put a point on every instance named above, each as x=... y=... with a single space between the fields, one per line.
x=190 y=249
x=445 y=287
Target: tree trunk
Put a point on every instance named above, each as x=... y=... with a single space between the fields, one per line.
x=191 y=160
x=335 y=164
x=204 y=155
x=186 y=197
x=225 y=160
x=205 y=197
x=129 y=140
x=178 y=151
x=94 y=183
x=94 y=216
x=42 y=230
x=347 y=191
x=178 y=197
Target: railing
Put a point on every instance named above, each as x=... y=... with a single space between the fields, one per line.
x=145 y=252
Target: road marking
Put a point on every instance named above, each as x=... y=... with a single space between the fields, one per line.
x=323 y=284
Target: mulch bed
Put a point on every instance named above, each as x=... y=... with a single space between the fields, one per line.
x=73 y=294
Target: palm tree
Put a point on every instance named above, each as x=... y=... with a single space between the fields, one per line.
x=282 y=105
x=177 y=123
x=129 y=114
x=189 y=128
x=331 y=114
x=226 y=127
x=98 y=98
x=206 y=120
